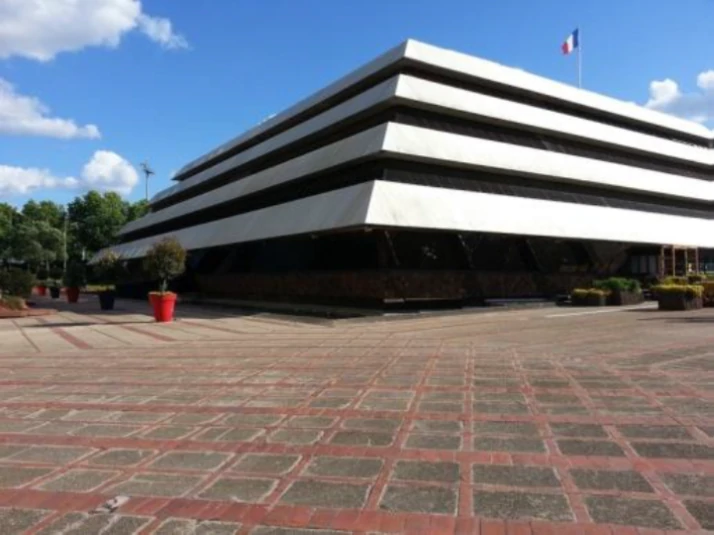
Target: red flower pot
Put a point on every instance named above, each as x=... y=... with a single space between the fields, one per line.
x=72 y=294
x=163 y=305
x=42 y=290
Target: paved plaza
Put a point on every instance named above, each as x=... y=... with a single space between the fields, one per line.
x=543 y=421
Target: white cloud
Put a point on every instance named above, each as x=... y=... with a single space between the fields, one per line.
x=667 y=96
x=105 y=171
x=41 y=29
x=27 y=116
x=159 y=30
x=20 y=181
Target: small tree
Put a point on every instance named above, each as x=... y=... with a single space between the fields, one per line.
x=165 y=260
x=109 y=268
x=76 y=275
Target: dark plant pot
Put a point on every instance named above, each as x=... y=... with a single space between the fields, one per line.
x=54 y=292
x=620 y=298
x=42 y=290
x=679 y=302
x=72 y=294
x=163 y=305
x=588 y=301
x=106 y=300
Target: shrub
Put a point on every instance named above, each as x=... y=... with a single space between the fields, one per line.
x=13 y=303
x=76 y=275
x=687 y=290
x=109 y=269
x=708 y=293
x=55 y=276
x=42 y=275
x=165 y=260
x=696 y=278
x=17 y=282
x=675 y=281
x=614 y=284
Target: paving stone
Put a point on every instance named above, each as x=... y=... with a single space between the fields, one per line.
x=578 y=430
x=270 y=530
x=120 y=457
x=557 y=399
x=549 y=383
x=631 y=512
x=521 y=506
x=627 y=481
x=139 y=417
x=78 y=481
x=442 y=472
x=371 y=424
x=18 y=521
x=500 y=408
x=510 y=444
x=506 y=428
x=168 y=485
x=16 y=476
x=50 y=454
x=239 y=489
x=437 y=426
x=177 y=526
x=590 y=448
x=690 y=484
x=362 y=438
x=344 y=467
x=709 y=431
x=189 y=460
x=83 y=524
x=266 y=464
x=295 y=436
x=16 y=426
x=8 y=450
x=105 y=430
x=323 y=494
x=55 y=429
x=654 y=431
x=438 y=406
x=434 y=442
x=193 y=418
x=330 y=403
x=419 y=499
x=318 y=422
x=252 y=420
x=673 y=450
x=384 y=404
x=703 y=512
x=168 y=432
x=515 y=476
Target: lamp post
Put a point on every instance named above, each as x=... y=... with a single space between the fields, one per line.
x=148 y=171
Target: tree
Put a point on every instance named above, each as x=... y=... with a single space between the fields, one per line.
x=136 y=210
x=8 y=217
x=96 y=219
x=47 y=211
x=35 y=242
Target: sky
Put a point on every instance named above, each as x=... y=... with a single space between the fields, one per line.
x=91 y=88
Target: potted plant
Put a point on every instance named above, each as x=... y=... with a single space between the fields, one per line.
x=679 y=296
x=621 y=291
x=74 y=279
x=42 y=276
x=55 y=276
x=109 y=268
x=588 y=297
x=165 y=260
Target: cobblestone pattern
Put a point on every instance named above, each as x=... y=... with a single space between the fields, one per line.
x=540 y=421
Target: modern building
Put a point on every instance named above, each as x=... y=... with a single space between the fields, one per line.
x=429 y=175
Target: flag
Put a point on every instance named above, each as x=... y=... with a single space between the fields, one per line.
x=571 y=43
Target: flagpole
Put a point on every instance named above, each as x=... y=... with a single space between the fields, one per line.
x=580 y=57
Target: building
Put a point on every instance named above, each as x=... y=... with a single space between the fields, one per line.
x=430 y=176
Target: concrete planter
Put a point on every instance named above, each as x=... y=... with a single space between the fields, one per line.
x=624 y=298
x=669 y=301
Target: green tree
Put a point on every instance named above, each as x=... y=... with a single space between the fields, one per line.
x=136 y=209
x=36 y=242
x=95 y=220
x=48 y=211
x=8 y=217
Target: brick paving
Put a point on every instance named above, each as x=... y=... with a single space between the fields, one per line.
x=552 y=420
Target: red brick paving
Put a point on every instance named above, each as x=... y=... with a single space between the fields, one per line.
x=435 y=389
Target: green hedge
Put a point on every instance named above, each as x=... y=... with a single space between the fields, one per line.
x=17 y=282
x=687 y=290
x=614 y=284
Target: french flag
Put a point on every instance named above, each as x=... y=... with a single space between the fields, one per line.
x=571 y=43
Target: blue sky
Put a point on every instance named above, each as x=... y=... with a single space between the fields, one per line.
x=169 y=80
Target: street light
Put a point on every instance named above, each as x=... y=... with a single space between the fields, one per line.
x=148 y=171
